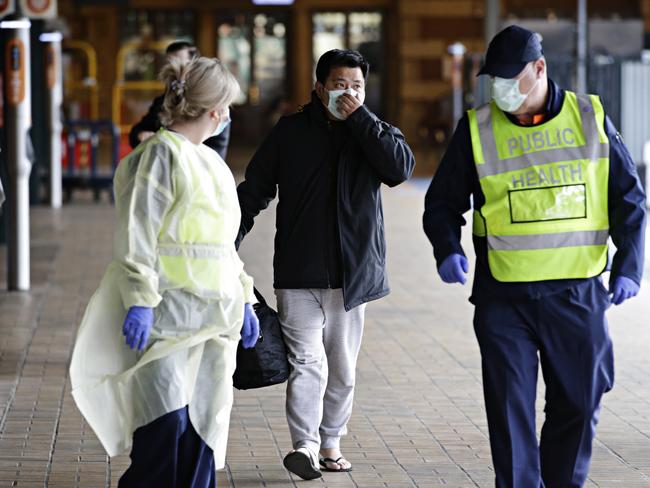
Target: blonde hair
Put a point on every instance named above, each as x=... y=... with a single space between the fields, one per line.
x=195 y=87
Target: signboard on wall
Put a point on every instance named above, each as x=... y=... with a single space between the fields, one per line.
x=7 y=7
x=273 y=2
x=34 y=9
x=39 y=9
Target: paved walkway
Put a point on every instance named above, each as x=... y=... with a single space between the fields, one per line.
x=418 y=421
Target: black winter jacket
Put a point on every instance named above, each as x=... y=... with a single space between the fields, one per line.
x=292 y=162
x=151 y=123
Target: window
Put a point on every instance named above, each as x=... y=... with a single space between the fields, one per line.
x=253 y=47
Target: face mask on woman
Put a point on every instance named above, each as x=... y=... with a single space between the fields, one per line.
x=507 y=95
x=223 y=123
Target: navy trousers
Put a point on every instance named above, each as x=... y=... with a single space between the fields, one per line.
x=567 y=333
x=168 y=453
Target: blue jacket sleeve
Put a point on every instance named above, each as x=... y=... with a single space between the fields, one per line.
x=448 y=196
x=627 y=210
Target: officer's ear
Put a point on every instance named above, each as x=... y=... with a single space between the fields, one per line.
x=540 y=68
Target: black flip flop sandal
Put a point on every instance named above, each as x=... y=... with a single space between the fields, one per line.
x=299 y=464
x=323 y=463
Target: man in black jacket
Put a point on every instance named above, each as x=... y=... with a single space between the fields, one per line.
x=327 y=163
x=150 y=123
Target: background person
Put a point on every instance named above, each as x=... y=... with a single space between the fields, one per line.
x=150 y=123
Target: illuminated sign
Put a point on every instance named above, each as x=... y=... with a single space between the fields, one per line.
x=273 y=2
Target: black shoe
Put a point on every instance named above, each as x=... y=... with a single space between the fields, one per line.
x=299 y=463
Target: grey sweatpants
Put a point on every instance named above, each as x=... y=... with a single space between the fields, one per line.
x=323 y=342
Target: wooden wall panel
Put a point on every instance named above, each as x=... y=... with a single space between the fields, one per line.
x=101 y=24
x=439 y=8
x=206 y=39
x=428 y=27
x=645 y=12
x=461 y=27
x=301 y=54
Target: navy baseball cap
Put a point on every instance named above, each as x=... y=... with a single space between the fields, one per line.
x=510 y=51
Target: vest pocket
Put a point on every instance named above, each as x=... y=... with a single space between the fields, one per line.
x=563 y=202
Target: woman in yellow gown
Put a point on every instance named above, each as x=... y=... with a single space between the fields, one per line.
x=176 y=289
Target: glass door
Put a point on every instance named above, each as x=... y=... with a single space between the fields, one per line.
x=253 y=46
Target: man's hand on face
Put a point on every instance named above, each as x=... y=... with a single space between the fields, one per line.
x=338 y=104
x=347 y=105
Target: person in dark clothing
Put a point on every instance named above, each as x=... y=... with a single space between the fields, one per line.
x=326 y=163
x=150 y=122
x=550 y=180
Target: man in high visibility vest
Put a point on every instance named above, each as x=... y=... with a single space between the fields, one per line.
x=550 y=180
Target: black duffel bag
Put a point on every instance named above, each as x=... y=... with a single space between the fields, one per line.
x=265 y=364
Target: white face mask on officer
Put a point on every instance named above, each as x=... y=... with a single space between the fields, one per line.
x=334 y=95
x=507 y=95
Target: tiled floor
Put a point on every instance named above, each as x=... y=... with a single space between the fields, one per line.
x=418 y=418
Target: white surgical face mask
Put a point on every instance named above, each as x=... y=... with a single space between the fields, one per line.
x=507 y=95
x=334 y=96
x=223 y=123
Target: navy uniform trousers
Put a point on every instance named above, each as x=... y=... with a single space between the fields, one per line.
x=168 y=453
x=567 y=333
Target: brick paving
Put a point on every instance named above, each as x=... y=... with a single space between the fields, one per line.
x=418 y=420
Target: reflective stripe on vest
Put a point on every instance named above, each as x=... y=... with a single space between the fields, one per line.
x=546 y=213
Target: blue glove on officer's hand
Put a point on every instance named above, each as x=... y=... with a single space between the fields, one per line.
x=453 y=269
x=137 y=326
x=622 y=289
x=250 y=332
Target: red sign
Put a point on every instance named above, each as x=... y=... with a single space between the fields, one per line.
x=39 y=9
x=6 y=7
x=39 y=6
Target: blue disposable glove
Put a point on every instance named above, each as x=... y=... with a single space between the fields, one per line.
x=137 y=327
x=622 y=289
x=250 y=332
x=454 y=268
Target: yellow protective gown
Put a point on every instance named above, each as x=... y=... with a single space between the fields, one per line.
x=177 y=220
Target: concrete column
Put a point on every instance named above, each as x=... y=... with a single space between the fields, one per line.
x=581 y=47
x=17 y=91
x=491 y=21
x=457 y=51
x=53 y=104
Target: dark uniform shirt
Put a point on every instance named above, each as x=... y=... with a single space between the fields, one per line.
x=456 y=180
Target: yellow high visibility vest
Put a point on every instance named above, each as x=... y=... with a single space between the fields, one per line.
x=545 y=215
